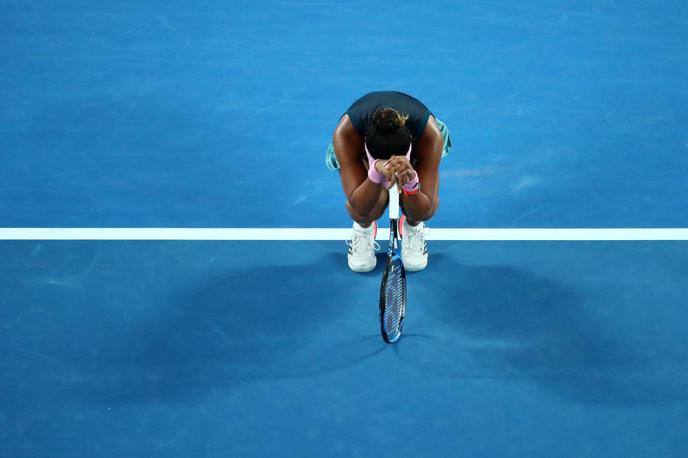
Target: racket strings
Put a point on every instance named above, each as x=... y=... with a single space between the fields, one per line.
x=394 y=298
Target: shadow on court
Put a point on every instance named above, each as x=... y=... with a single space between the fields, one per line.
x=500 y=322
x=258 y=323
x=338 y=259
x=133 y=323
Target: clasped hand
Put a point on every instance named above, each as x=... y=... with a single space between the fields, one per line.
x=397 y=170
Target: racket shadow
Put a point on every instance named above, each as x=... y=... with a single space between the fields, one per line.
x=412 y=336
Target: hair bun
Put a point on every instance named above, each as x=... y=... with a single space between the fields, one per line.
x=388 y=120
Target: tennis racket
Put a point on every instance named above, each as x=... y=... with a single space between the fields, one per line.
x=393 y=287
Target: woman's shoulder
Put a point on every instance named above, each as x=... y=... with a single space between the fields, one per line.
x=346 y=127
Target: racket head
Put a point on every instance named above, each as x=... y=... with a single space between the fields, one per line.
x=393 y=292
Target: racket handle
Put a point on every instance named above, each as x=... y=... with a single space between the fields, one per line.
x=394 y=202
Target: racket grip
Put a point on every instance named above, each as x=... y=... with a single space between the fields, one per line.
x=394 y=202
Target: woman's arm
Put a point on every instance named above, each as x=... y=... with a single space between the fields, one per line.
x=361 y=193
x=421 y=206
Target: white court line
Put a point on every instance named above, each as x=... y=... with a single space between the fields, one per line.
x=473 y=234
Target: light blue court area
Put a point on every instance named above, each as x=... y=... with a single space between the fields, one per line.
x=217 y=114
x=253 y=349
x=210 y=114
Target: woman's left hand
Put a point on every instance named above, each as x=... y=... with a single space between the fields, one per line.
x=403 y=171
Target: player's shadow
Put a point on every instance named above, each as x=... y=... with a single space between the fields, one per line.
x=501 y=322
x=248 y=324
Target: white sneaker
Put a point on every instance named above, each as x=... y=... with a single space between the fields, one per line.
x=362 y=248
x=414 y=250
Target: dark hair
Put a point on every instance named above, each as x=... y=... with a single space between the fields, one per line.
x=387 y=134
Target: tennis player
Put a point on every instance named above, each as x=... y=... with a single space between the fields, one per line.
x=386 y=138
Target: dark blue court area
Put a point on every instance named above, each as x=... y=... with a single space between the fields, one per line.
x=217 y=114
x=245 y=349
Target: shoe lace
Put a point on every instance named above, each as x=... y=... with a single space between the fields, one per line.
x=362 y=240
x=416 y=238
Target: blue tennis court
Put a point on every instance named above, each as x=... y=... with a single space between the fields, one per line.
x=217 y=115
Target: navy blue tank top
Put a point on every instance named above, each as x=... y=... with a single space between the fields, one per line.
x=362 y=109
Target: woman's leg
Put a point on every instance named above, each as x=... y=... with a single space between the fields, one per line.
x=366 y=220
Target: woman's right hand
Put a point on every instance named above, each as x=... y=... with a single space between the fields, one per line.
x=387 y=172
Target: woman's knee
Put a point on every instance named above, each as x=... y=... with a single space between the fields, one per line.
x=362 y=219
x=432 y=210
x=373 y=215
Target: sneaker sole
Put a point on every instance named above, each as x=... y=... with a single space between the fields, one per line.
x=414 y=268
x=360 y=270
